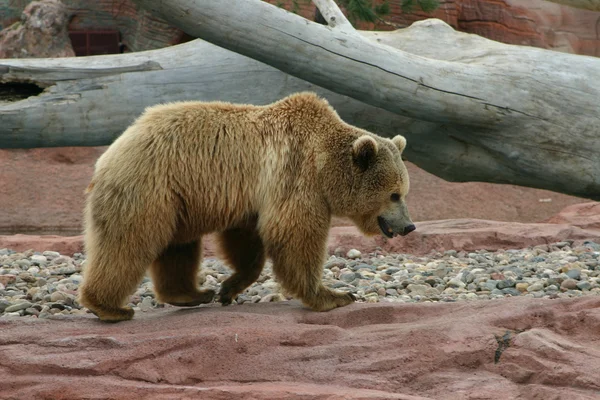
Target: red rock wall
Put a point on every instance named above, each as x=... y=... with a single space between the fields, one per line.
x=536 y=23
x=533 y=23
x=41 y=32
x=139 y=30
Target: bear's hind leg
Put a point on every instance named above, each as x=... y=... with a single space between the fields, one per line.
x=110 y=278
x=174 y=274
x=244 y=251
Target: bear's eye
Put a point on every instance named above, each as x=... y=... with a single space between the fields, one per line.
x=395 y=197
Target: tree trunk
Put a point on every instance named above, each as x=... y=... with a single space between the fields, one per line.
x=484 y=111
x=514 y=114
x=89 y=101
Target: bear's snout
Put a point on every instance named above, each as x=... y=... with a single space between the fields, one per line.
x=408 y=229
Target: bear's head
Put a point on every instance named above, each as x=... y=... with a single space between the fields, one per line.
x=371 y=184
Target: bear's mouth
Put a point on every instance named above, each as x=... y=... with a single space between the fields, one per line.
x=385 y=228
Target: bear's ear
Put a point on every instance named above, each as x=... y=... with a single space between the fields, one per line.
x=399 y=142
x=364 y=150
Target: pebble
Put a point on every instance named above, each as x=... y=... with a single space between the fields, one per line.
x=58 y=296
x=511 y=291
x=146 y=304
x=568 y=284
x=353 y=254
x=7 y=279
x=535 y=287
x=51 y=254
x=506 y=283
x=574 y=274
x=347 y=276
x=272 y=298
x=31 y=311
x=40 y=285
x=583 y=285
x=522 y=286
x=4 y=304
x=491 y=284
x=18 y=307
x=456 y=283
x=11 y=314
x=40 y=259
x=415 y=289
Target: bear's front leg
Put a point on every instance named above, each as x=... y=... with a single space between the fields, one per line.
x=298 y=254
x=243 y=250
x=175 y=274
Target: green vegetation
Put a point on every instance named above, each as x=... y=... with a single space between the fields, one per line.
x=365 y=10
x=425 y=5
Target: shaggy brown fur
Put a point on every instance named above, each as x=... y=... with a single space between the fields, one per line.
x=267 y=178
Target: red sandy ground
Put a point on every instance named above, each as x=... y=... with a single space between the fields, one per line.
x=517 y=348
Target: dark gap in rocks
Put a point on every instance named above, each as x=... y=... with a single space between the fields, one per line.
x=16 y=91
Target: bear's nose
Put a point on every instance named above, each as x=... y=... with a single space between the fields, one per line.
x=408 y=229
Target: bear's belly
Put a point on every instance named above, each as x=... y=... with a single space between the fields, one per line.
x=191 y=228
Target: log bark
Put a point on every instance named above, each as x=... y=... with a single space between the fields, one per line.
x=545 y=141
x=535 y=112
x=89 y=101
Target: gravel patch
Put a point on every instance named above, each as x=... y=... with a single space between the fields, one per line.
x=39 y=285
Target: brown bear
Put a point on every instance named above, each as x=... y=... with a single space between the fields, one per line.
x=266 y=179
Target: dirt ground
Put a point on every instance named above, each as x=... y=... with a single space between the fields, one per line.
x=514 y=348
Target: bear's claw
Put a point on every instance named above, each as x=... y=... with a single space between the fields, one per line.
x=330 y=299
x=225 y=298
x=113 y=315
x=202 y=297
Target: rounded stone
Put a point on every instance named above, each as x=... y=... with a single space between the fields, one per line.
x=27 y=277
x=3 y=305
x=58 y=296
x=353 y=254
x=17 y=307
x=491 y=284
x=584 y=285
x=39 y=259
x=7 y=279
x=347 y=276
x=506 y=283
x=511 y=291
x=569 y=284
x=416 y=289
x=456 y=283
x=273 y=297
x=574 y=273
x=51 y=254
x=31 y=311
x=522 y=286
x=535 y=287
